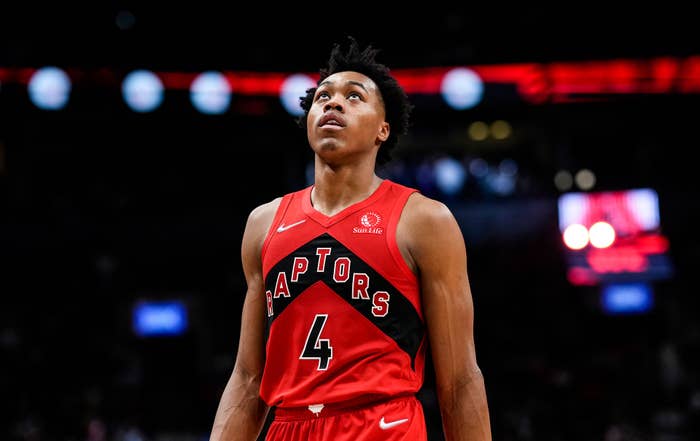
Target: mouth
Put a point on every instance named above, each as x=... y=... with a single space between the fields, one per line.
x=331 y=120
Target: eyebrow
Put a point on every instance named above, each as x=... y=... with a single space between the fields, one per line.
x=356 y=83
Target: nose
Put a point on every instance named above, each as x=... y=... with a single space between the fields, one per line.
x=333 y=104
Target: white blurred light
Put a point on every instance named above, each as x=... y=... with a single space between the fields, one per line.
x=585 y=179
x=644 y=204
x=449 y=175
x=602 y=234
x=49 y=88
x=576 y=236
x=572 y=208
x=462 y=88
x=563 y=180
x=142 y=90
x=293 y=88
x=210 y=93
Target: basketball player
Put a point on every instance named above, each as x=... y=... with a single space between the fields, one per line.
x=350 y=281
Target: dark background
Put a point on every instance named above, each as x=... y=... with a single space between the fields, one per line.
x=100 y=207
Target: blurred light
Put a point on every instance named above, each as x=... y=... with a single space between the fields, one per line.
x=644 y=205
x=125 y=20
x=142 y=90
x=585 y=179
x=601 y=234
x=580 y=275
x=425 y=177
x=449 y=175
x=462 y=88
x=478 y=130
x=563 y=180
x=630 y=212
x=49 y=88
x=576 y=236
x=500 y=129
x=160 y=318
x=210 y=93
x=572 y=208
x=500 y=182
x=293 y=88
x=508 y=167
x=478 y=167
x=627 y=298
x=620 y=260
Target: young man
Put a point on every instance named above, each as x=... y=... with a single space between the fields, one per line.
x=350 y=280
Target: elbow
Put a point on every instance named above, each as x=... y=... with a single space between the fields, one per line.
x=451 y=391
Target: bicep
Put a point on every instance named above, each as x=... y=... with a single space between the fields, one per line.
x=250 y=356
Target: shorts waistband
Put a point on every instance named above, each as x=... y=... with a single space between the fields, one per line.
x=331 y=409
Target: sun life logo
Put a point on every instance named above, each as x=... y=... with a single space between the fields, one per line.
x=370 y=219
x=369 y=224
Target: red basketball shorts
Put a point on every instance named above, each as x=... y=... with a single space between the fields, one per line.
x=399 y=419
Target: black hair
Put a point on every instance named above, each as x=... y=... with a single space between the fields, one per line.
x=396 y=104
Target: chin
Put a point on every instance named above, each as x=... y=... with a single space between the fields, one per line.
x=327 y=145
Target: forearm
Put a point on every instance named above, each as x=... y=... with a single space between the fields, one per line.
x=464 y=409
x=241 y=412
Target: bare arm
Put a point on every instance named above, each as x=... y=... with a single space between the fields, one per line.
x=241 y=412
x=435 y=246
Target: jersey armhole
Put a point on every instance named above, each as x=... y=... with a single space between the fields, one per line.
x=391 y=233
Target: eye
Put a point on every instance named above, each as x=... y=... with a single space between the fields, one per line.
x=322 y=95
x=354 y=95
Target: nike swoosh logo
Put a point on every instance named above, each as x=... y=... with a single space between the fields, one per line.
x=284 y=227
x=384 y=425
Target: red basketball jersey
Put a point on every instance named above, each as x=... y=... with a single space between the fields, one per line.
x=344 y=317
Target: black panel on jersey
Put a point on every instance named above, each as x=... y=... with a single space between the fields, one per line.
x=402 y=323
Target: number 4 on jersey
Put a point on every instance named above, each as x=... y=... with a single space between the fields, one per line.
x=317 y=348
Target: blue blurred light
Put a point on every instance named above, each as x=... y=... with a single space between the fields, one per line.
x=161 y=318
x=449 y=175
x=479 y=167
x=293 y=88
x=142 y=90
x=501 y=183
x=628 y=298
x=49 y=88
x=462 y=88
x=210 y=93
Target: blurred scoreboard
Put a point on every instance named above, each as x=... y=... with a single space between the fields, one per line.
x=613 y=237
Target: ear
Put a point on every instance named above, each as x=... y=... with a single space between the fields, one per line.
x=383 y=133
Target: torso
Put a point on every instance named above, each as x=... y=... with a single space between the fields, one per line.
x=345 y=322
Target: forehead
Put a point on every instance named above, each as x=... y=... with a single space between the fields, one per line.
x=350 y=78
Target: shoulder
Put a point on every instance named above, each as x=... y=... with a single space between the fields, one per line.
x=422 y=211
x=264 y=211
x=428 y=231
x=420 y=208
x=259 y=220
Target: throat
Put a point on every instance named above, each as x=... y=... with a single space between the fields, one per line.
x=331 y=201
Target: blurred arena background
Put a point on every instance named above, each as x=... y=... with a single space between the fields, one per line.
x=122 y=204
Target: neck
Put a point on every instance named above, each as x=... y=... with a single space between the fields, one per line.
x=336 y=189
